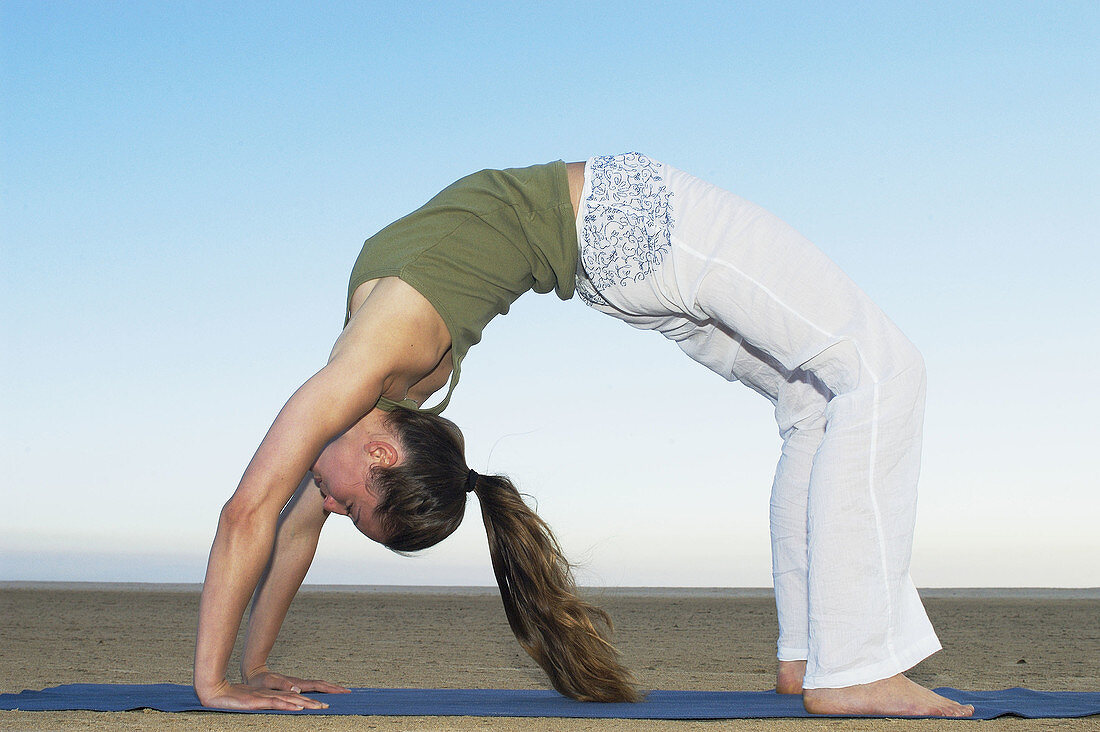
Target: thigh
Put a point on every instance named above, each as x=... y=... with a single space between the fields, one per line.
x=735 y=263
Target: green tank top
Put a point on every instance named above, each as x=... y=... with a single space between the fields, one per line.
x=476 y=247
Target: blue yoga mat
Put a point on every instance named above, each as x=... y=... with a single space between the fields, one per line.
x=536 y=703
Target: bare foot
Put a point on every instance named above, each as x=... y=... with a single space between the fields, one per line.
x=896 y=695
x=788 y=680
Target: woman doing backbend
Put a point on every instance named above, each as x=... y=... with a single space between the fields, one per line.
x=737 y=290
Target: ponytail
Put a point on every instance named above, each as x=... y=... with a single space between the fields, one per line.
x=558 y=630
x=422 y=500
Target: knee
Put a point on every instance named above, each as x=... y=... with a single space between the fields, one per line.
x=849 y=365
x=908 y=361
x=903 y=382
x=840 y=366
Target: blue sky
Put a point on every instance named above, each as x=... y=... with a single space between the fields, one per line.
x=184 y=187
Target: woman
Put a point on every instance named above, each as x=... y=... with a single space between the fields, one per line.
x=735 y=288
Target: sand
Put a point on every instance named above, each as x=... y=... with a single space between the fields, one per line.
x=697 y=640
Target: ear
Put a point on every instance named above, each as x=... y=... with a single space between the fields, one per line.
x=382 y=453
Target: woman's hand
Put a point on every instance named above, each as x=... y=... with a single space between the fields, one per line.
x=271 y=681
x=243 y=696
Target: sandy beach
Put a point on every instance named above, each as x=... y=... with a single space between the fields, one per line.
x=458 y=638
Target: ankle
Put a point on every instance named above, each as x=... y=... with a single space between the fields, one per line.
x=788 y=677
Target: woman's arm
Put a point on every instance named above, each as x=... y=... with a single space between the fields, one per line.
x=296 y=538
x=246 y=533
x=393 y=340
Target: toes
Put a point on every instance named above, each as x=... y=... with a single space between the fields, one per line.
x=958 y=710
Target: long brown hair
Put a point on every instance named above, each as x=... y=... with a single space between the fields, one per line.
x=423 y=499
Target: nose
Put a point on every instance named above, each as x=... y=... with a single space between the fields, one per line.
x=333 y=506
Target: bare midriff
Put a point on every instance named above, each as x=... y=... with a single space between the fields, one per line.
x=575 y=172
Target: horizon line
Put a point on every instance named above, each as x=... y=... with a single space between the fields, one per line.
x=989 y=592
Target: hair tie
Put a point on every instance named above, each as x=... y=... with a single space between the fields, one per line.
x=471 y=480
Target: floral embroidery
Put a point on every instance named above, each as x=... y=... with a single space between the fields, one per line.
x=627 y=222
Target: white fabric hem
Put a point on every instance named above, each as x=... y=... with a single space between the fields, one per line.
x=793 y=654
x=893 y=666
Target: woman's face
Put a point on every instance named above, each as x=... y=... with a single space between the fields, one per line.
x=342 y=474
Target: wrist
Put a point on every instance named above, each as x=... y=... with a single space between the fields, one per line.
x=205 y=690
x=250 y=672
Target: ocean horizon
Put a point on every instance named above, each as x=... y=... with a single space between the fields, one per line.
x=1000 y=593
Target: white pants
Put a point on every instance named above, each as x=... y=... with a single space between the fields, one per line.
x=747 y=296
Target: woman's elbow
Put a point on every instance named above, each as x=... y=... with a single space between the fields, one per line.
x=239 y=514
